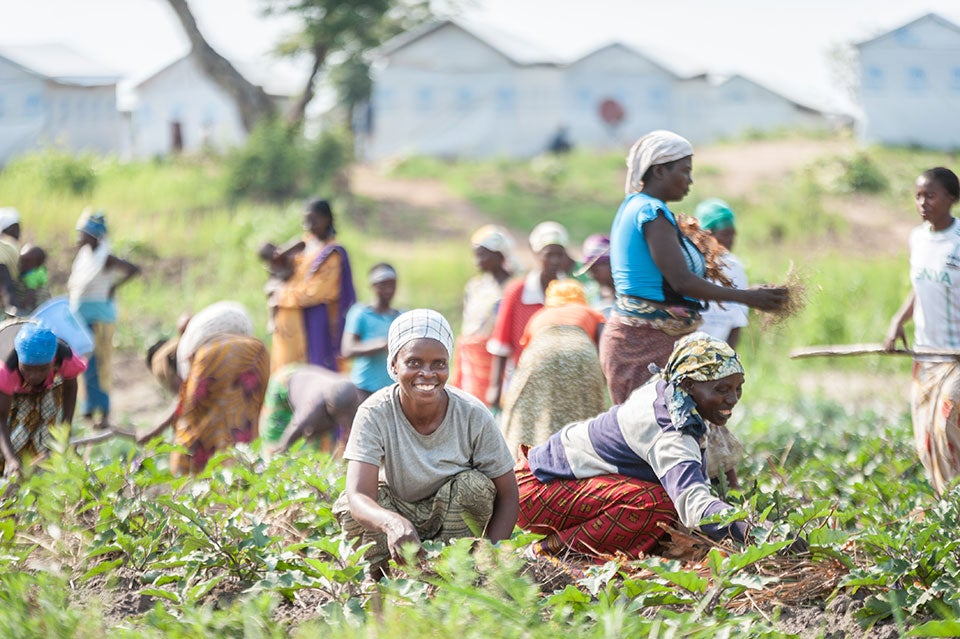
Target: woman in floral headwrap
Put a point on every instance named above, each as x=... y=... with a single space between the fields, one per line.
x=38 y=389
x=601 y=486
x=659 y=270
x=493 y=253
x=94 y=278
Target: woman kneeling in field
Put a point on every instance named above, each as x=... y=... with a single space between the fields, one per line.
x=38 y=389
x=440 y=458
x=601 y=486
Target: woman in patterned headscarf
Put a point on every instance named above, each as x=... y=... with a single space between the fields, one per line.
x=95 y=276
x=601 y=486
x=493 y=253
x=659 y=269
x=441 y=461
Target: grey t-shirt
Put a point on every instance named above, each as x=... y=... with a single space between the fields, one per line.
x=415 y=465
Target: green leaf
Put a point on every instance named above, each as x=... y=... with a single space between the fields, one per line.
x=936 y=629
x=101 y=568
x=201 y=590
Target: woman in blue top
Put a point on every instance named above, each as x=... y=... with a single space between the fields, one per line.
x=658 y=272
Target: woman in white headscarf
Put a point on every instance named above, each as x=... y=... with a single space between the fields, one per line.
x=521 y=299
x=424 y=461
x=493 y=253
x=659 y=272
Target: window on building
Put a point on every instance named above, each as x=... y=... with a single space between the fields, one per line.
x=506 y=99
x=917 y=79
x=873 y=79
x=955 y=79
x=384 y=99
x=657 y=97
x=32 y=105
x=3 y=108
x=585 y=99
x=464 y=99
x=425 y=99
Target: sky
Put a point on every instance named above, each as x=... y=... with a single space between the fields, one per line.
x=784 y=44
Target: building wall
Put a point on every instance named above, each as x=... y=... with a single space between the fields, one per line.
x=451 y=95
x=645 y=91
x=182 y=93
x=910 y=86
x=36 y=113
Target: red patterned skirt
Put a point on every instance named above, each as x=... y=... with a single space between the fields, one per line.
x=600 y=516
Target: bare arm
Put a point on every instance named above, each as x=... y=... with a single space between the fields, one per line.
x=7 y=296
x=11 y=461
x=69 y=400
x=361 y=492
x=129 y=270
x=661 y=238
x=896 y=330
x=497 y=367
x=307 y=424
x=165 y=423
x=506 y=507
x=353 y=346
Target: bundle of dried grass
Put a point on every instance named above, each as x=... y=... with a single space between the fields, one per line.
x=796 y=286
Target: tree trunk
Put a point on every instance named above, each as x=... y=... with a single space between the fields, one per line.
x=298 y=110
x=252 y=102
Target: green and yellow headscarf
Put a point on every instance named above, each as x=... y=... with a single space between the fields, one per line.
x=698 y=357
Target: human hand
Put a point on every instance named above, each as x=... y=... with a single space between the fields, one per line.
x=11 y=467
x=767 y=298
x=894 y=333
x=493 y=397
x=400 y=532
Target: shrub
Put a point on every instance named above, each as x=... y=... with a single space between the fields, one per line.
x=269 y=166
x=862 y=175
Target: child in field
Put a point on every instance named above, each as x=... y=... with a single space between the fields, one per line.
x=365 y=333
x=279 y=262
x=32 y=288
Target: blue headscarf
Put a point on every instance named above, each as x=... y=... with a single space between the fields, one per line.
x=35 y=345
x=93 y=223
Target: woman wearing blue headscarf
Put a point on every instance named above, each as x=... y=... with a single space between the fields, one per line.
x=38 y=388
x=94 y=279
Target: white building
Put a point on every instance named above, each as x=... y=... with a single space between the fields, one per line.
x=51 y=96
x=910 y=85
x=447 y=89
x=180 y=109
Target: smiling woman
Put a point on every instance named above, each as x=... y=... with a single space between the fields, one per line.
x=602 y=486
x=424 y=461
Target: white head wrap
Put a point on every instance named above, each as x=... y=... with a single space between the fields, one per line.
x=8 y=217
x=497 y=239
x=382 y=273
x=546 y=233
x=656 y=147
x=220 y=318
x=417 y=324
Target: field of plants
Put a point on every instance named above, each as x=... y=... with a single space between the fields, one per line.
x=850 y=539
